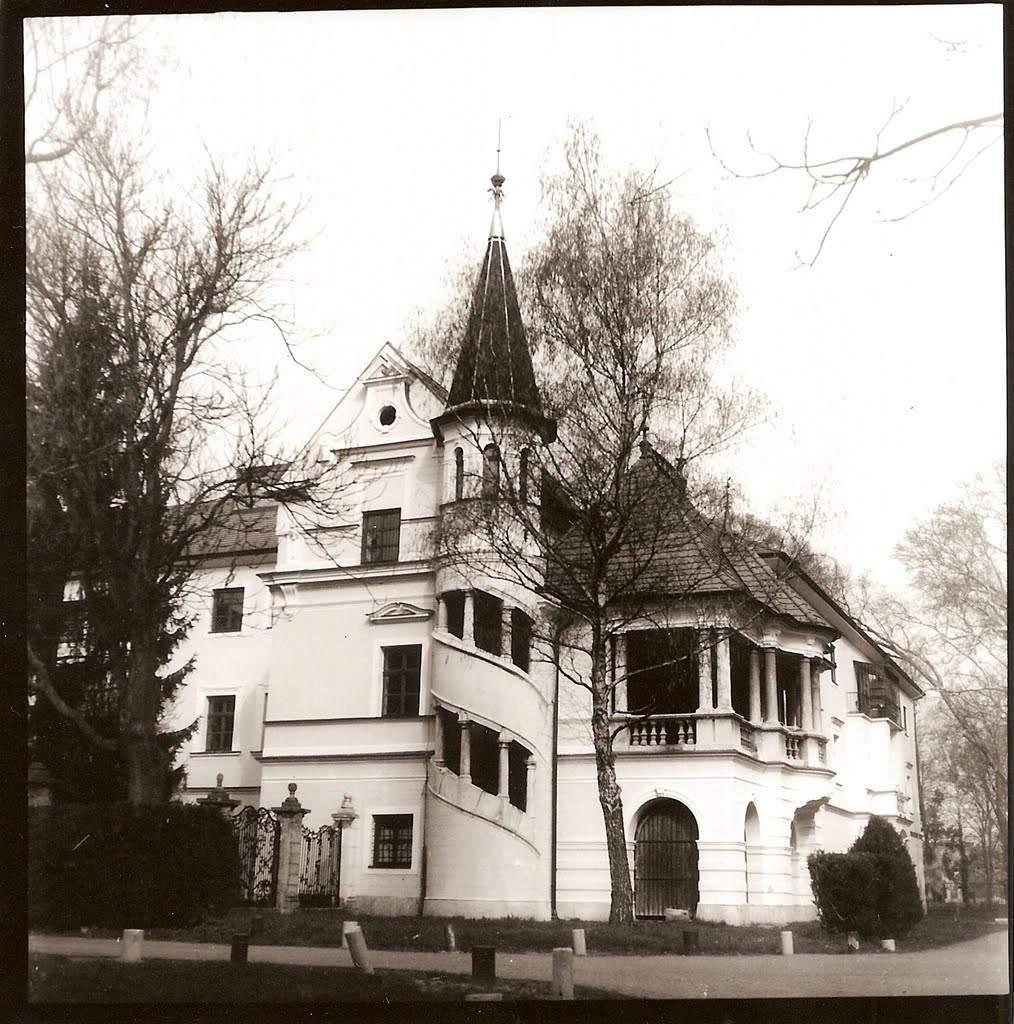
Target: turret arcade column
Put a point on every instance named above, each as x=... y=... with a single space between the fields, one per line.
x=723 y=672
x=805 y=694
x=770 y=686
x=704 y=696
x=755 y=687
x=468 y=627
x=620 y=672
x=465 y=765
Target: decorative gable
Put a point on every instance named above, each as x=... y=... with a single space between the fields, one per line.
x=400 y=611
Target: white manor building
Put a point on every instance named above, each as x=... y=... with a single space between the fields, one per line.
x=343 y=655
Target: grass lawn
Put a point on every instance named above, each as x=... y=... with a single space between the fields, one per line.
x=57 y=979
x=942 y=926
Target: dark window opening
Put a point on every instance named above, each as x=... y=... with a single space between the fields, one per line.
x=392 y=841
x=451 y=732
x=662 y=672
x=524 y=470
x=455 y=603
x=787 y=676
x=381 y=533
x=877 y=694
x=388 y=415
x=521 y=639
x=459 y=474
x=488 y=622
x=221 y=719
x=227 y=610
x=490 y=471
x=517 y=776
x=401 y=680
x=739 y=666
x=484 y=753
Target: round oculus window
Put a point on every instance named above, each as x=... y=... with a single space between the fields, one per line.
x=388 y=415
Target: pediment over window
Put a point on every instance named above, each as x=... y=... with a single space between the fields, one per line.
x=400 y=611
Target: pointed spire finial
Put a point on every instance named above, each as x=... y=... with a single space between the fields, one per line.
x=496 y=227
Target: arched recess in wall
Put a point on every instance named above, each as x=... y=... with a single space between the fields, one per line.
x=490 y=471
x=751 y=840
x=459 y=474
x=666 y=859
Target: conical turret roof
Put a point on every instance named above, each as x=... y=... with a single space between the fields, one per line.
x=494 y=370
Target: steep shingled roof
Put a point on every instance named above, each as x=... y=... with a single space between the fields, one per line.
x=494 y=369
x=669 y=549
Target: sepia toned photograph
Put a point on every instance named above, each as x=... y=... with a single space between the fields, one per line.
x=517 y=509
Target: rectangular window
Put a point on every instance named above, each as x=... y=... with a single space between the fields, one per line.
x=488 y=622
x=521 y=639
x=392 y=841
x=381 y=533
x=221 y=718
x=401 y=680
x=227 y=610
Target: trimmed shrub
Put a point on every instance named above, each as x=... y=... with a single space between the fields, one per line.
x=117 y=866
x=844 y=889
x=898 y=903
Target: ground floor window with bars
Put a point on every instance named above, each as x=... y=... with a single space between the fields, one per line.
x=392 y=841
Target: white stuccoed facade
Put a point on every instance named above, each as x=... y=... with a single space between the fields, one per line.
x=481 y=799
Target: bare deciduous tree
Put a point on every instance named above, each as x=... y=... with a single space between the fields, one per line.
x=628 y=309
x=952 y=634
x=145 y=442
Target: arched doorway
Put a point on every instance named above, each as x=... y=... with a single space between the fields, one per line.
x=751 y=838
x=665 y=860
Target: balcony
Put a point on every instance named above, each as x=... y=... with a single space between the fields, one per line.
x=874 y=706
x=717 y=731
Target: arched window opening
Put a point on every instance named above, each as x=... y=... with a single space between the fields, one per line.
x=459 y=474
x=490 y=471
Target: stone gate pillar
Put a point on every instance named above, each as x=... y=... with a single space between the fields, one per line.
x=290 y=815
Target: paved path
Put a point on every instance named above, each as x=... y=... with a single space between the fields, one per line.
x=978 y=967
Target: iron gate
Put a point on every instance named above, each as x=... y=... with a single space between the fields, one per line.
x=258 y=833
x=320 y=866
x=665 y=860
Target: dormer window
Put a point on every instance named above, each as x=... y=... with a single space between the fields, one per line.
x=381 y=535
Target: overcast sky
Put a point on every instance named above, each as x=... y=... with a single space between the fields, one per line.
x=883 y=365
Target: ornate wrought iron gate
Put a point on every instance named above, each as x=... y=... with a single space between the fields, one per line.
x=259 y=835
x=665 y=860
x=320 y=866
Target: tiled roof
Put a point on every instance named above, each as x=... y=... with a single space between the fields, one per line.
x=239 y=530
x=669 y=549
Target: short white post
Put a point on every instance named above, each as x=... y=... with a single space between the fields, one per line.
x=786 y=943
x=360 y=954
x=563 y=974
x=853 y=942
x=348 y=926
x=133 y=939
x=450 y=944
x=888 y=945
x=577 y=941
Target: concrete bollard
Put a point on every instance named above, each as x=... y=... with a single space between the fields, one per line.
x=256 y=926
x=786 y=943
x=484 y=964
x=240 y=948
x=133 y=939
x=690 y=946
x=888 y=945
x=450 y=944
x=853 y=942
x=563 y=974
x=360 y=954
x=577 y=942
x=348 y=926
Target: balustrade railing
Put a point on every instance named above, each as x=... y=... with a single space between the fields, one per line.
x=874 y=706
x=792 y=747
x=747 y=739
x=663 y=731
